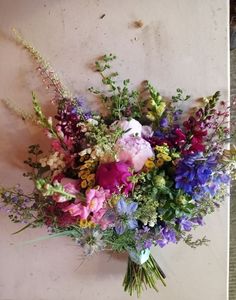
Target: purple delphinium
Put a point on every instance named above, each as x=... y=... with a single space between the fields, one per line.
x=165 y=236
x=184 y=223
x=125 y=218
x=194 y=170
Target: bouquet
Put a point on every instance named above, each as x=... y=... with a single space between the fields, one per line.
x=135 y=176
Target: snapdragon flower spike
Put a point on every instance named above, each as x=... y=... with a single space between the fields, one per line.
x=125 y=218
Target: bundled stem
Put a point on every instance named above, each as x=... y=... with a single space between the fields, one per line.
x=142 y=276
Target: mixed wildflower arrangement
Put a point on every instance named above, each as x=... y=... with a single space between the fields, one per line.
x=127 y=179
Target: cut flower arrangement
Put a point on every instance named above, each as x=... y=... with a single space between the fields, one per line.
x=125 y=180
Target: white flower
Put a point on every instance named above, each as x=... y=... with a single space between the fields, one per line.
x=131 y=127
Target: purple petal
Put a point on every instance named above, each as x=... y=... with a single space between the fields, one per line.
x=120 y=228
x=121 y=207
x=131 y=208
x=132 y=224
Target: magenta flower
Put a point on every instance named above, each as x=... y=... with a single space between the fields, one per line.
x=115 y=175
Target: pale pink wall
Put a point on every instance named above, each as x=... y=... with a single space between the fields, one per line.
x=183 y=43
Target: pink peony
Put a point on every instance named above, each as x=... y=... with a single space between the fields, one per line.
x=71 y=186
x=113 y=175
x=134 y=150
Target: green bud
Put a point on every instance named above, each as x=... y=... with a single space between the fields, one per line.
x=182 y=199
x=159 y=181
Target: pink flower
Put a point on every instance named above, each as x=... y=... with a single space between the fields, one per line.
x=71 y=186
x=134 y=150
x=101 y=219
x=113 y=175
x=133 y=127
x=95 y=199
x=77 y=210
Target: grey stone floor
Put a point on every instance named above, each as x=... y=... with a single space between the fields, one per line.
x=232 y=267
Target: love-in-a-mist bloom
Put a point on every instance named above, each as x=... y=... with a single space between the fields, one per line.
x=125 y=218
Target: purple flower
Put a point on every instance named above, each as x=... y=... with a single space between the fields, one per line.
x=198 y=220
x=125 y=219
x=166 y=235
x=184 y=223
x=194 y=171
x=164 y=122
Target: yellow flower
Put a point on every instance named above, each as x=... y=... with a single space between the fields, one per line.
x=163 y=149
x=150 y=116
x=149 y=164
x=91 y=224
x=164 y=156
x=160 y=108
x=91 y=177
x=159 y=162
x=83 y=223
x=83 y=174
x=84 y=184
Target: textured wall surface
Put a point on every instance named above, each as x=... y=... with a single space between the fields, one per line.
x=182 y=43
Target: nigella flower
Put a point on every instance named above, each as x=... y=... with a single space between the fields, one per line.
x=91 y=241
x=125 y=219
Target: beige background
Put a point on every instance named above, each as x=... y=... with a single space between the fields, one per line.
x=183 y=43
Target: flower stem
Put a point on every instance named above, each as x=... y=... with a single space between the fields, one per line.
x=142 y=276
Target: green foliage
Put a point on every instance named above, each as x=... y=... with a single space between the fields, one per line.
x=41 y=118
x=118 y=100
x=140 y=277
x=119 y=243
x=194 y=244
x=180 y=97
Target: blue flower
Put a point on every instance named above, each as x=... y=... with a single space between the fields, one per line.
x=125 y=219
x=193 y=172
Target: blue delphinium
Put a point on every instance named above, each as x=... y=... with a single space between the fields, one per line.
x=125 y=216
x=194 y=170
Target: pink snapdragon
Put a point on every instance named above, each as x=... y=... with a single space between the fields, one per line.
x=94 y=203
x=71 y=186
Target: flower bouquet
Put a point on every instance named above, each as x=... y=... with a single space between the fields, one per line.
x=134 y=176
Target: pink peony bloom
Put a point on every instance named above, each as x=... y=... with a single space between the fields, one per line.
x=134 y=150
x=71 y=186
x=113 y=175
x=133 y=127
